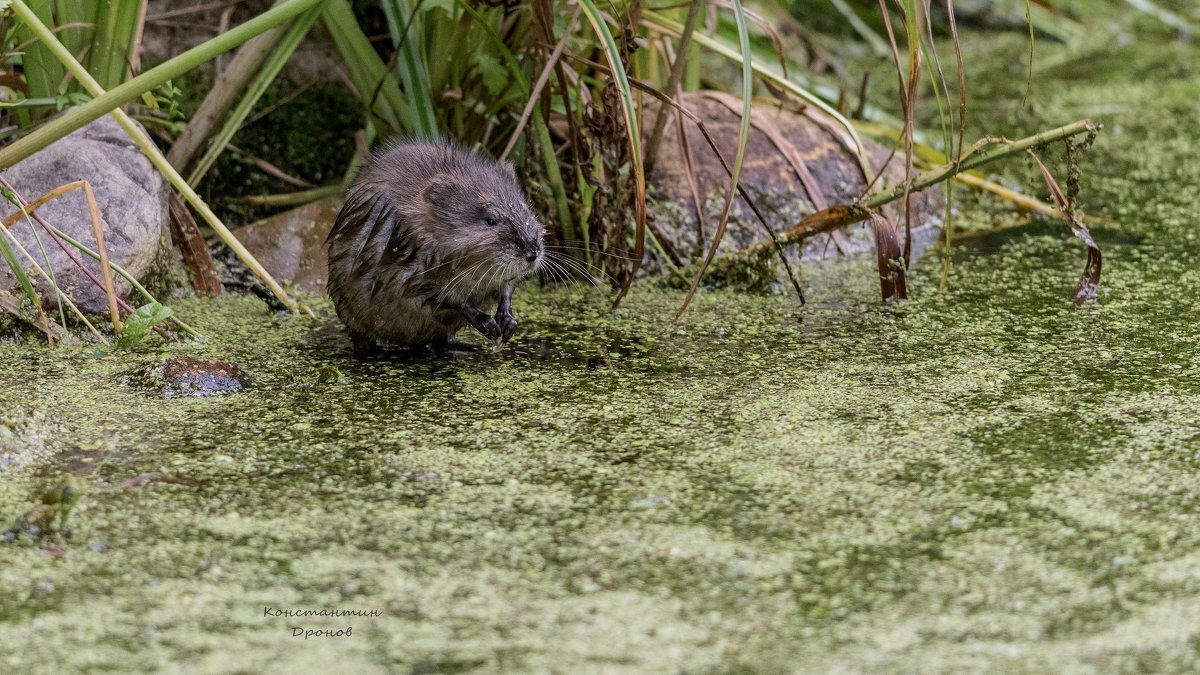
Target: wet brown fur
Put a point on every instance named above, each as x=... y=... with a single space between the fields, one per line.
x=430 y=236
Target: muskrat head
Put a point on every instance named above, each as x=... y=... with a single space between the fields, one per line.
x=483 y=217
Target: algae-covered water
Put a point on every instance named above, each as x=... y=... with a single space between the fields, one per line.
x=986 y=479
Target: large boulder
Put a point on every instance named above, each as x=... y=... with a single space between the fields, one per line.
x=132 y=199
x=784 y=141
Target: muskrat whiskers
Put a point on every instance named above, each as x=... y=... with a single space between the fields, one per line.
x=556 y=272
x=550 y=267
x=566 y=273
x=556 y=265
x=585 y=269
x=427 y=270
x=569 y=268
x=584 y=249
x=449 y=285
x=546 y=267
x=494 y=272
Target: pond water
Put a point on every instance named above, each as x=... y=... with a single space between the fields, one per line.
x=986 y=478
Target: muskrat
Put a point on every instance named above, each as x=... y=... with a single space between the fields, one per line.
x=430 y=235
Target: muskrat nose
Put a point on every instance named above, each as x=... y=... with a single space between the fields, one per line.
x=532 y=250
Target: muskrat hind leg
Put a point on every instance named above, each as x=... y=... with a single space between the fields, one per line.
x=504 y=316
x=456 y=345
x=364 y=346
x=449 y=344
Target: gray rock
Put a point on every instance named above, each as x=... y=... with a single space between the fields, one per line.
x=131 y=196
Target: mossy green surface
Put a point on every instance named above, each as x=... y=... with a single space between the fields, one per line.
x=984 y=480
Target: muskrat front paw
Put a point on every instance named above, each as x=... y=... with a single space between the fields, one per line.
x=508 y=326
x=487 y=326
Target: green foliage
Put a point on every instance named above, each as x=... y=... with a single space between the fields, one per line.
x=141 y=322
x=411 y=68
x=103 y=32
x=555 y=87
x=257 y=87
x=376 y=89
x=451 y=71
x=112 y=47
x=66 y=99
x=167 y=99
x=43 y=73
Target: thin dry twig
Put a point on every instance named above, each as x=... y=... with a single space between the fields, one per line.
x=843 y=215
x=184 y=11
x=536 y=92
x=673 y=80
x=8 y=222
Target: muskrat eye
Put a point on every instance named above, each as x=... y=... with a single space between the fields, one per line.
x=490 y=221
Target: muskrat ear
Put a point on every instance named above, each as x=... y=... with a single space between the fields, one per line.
x=440 y=192
x=507 y=167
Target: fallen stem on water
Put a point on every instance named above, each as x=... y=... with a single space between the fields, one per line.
x=836 y=217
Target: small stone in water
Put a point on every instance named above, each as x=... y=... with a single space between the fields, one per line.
x=187 y=376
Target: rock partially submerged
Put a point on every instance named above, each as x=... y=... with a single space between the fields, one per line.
x=291 y=245
x=784 y=143
x=187 y=376
x=130 y=194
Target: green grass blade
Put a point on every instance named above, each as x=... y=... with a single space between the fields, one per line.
x=554 y=176
x=10 y=259
x=43 y=73
x=221 y=97
x=375 y=86
x=864 y=31
x=53 y=278
x=121 y=272
x=116 y=25
x=10 y=256
x=151 y=79
x=410 y=64
x=75 y=11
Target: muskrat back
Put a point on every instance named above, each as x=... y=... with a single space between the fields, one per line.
x=430 y=236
